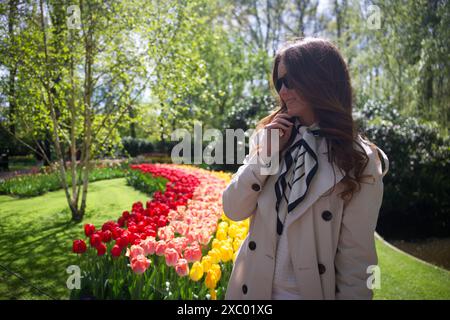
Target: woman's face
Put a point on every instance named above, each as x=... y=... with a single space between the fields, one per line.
x=296 y=106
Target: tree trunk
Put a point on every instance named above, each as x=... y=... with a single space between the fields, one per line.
x=50 y=104
x=337 y=13
x=88 y=87
x=132 y=124
x=13 y=67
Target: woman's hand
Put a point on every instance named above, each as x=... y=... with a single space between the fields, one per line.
x=284 y=123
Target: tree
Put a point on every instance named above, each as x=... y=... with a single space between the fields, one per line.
x=61 y=81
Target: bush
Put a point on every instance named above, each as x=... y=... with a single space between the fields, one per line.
x=417 y=187
x=135 y=146
x=248 y=111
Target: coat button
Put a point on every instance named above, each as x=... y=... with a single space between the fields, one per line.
x=256 y=187
x=327 y=215
x=252 y=245
x=244 y=289
x=322 y=268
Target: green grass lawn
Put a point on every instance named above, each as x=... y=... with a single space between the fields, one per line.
x=36 y=239
x=404 y=277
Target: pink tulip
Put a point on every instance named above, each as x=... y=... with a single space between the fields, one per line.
x=134 y=251
x=203 y=237
x=149 y=245
x=193 y=253
x=180 y=227
x=182 y=268
x=179 y=244
x=139 y=264
x=166 y=233
x=171 y=256
x=161 y=247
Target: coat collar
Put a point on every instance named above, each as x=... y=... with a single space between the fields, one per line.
x=321 y=183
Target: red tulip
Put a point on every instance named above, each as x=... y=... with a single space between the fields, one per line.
x=121 y=221
x=101 y=249
x=131 y=237
x=79 y=246
x=108 y=226
x=122 y=242
x=106 y=236
x=137 y=206
x=150 y=232
x=162 y=221
x=116 y=233
x=89 y=229
x=141 y=225
x=96 y=239
x=132 y=228
x=116 y=251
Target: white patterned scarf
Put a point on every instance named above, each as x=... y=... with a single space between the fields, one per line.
x=298 y=168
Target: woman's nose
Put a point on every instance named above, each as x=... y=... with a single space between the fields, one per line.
x=284 y=92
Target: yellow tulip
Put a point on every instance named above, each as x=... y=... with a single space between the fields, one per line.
x=241 y=234
x=215 y=255
x=232 y=230
x=225 y=218
x=211 y=280
x=206 y=263
x=223 y=225
x=215 y=268
x=237 y=244
x=216 y=244
x=221 y=234
x=196 y=272
x=226 y=253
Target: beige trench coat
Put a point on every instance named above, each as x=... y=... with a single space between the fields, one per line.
x=331 y=245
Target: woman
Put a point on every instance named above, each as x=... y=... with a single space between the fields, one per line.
x=312 y=221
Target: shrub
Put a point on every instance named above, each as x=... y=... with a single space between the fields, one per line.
x=135 y=146
x=417 y=187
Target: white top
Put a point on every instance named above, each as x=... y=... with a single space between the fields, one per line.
x=285 y=285
x=284 y=282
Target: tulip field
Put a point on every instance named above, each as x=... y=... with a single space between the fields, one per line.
x=178 y=245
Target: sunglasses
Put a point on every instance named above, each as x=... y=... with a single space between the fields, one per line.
x=283 y=81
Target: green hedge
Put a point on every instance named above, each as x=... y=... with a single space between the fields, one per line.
x=135 y=146
x=416 y=201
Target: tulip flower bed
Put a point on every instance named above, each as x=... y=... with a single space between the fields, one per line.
x=178 y=246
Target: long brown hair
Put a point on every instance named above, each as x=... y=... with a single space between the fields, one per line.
x=320 y=76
